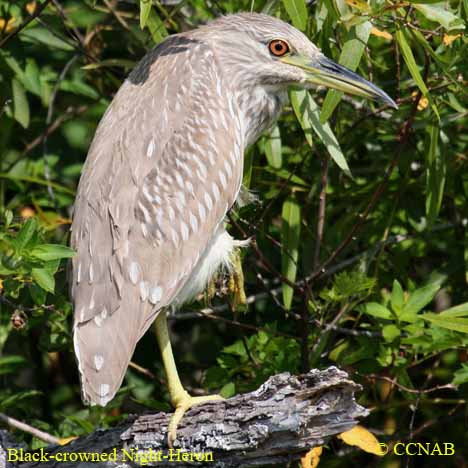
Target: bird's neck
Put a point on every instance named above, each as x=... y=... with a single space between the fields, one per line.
x=260 y=107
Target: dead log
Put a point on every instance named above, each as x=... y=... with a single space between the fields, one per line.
x=277 y=423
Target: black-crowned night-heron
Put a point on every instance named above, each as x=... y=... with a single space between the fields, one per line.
x=164 y=168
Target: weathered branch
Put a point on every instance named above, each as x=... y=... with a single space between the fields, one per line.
x=277 y=423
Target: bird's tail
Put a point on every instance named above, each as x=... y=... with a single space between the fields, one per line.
x=104 y=346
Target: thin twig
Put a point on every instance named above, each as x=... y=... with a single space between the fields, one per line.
x=329 y=327
x=117 y=15
x=423 y=391
x=274 y=297
x=208 y=313
x=425 y=401
x=15 y=424
x=69 y=113
x=22 y=308
x=36 y=13
x=72 y=30
x=321 y=211
x=276 y=291
x=304 y=333
x=142 y=370
x=403 y=138
x=261 y=257
x=50 y=112
x=346 y=331
x=438 y=420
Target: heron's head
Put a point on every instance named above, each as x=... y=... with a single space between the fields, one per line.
x=264 y=50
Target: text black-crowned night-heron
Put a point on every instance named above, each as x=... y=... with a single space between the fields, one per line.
x=164 y=168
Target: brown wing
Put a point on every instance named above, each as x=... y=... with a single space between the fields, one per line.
x=163 y=169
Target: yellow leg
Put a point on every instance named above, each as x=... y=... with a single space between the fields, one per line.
x=180 y=398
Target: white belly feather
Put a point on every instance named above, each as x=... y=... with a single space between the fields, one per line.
x=218 y=255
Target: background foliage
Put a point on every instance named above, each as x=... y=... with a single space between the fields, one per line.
x=366 y=271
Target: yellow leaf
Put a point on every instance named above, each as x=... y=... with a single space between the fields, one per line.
x=31 y=7
x=423 y=101
x=360 y=437
x=448 y=39
x=390 y=425
x=358 y=4
x=1 y=285
x=383 y=34
x=7 y=26
x=312 y=458
x=27 y=212
x=66 y=440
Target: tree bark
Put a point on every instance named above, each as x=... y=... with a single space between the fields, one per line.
x=277 y=423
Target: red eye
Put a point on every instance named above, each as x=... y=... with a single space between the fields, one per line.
x=278 y=47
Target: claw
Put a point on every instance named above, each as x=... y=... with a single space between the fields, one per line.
x=182 y=406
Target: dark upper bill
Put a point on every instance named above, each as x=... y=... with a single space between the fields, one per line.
x=325 y=72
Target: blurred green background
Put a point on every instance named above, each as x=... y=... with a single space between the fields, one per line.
x=371 y=231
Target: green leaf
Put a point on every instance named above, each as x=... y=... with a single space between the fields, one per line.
x=145 y=10
x=237 y=349
x=15 y=400
x=32 y=77
x=390 y=332
x=436 y=170
x=440 y=59
x=248 y=166
x=20 y=103
x=377 y=310
x=450 y=323
x=8 y=218
x=11 y=364
x=307 y=112
x=419 y=299
x=25 y=234
x=301 y=106
x=36 y=180
x=84 y=424
x=297 y=11
x=350 y=57
x=44 y=36
x=112 y=62
x=156 y=27
x=38 y=295
x=347 y=284
x=49 y=252
x=80 y=88
x=461 y=375
x=397 y=299
x=441 y=15
x=273 y=148
x=460 y=310
x=51 y=266
x=291 y=230
x=228 y=390
x=424 y=1
x=44 y=278
x=410 y=61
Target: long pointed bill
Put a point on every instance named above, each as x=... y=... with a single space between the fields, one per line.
x=323 y=71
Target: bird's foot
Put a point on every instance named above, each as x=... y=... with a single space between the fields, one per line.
x=183 y=404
